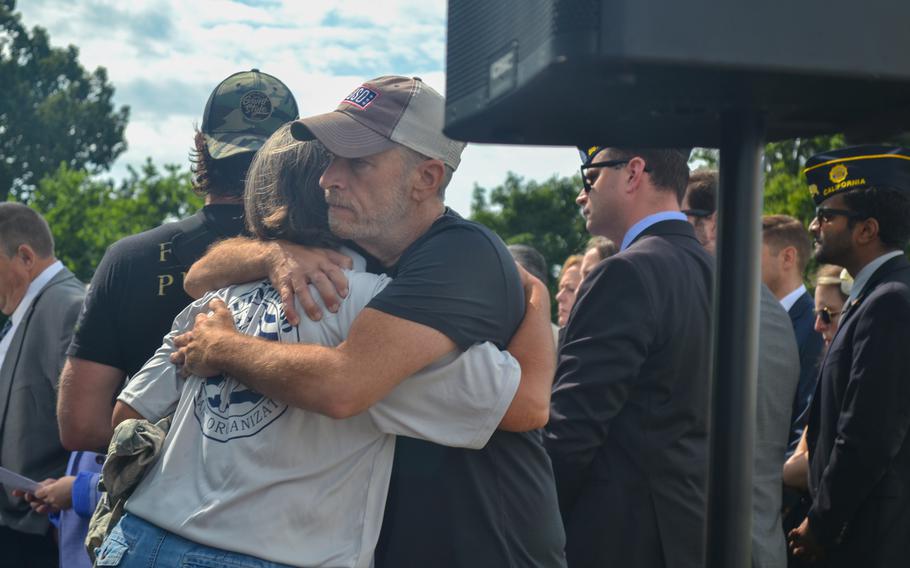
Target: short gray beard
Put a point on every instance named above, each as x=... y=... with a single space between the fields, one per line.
x=380 y=223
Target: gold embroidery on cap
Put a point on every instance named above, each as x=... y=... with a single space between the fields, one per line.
x=838 y=173
x=813 y=189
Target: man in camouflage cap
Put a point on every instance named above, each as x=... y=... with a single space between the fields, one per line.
x=244 y=110
x=138 y=287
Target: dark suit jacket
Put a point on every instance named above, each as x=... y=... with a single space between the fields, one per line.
x=629 y=413
x=859 y=473
x=29 y=440
x=811 y=344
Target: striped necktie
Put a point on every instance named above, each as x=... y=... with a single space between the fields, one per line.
x=6 y=327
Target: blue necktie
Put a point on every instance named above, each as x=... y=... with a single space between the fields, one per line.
x=6 y=327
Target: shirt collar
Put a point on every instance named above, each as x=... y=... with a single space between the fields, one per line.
x=640 y=226
x=34 y=287
x=790 y=299
x=859 y=282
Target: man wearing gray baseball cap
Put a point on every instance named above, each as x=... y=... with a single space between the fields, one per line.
x=454 y=285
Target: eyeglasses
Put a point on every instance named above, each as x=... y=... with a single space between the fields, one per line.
x=608 y=164
x=826 y=315
x=826 y=214
x=700 y=213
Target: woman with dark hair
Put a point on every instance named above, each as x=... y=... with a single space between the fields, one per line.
x=242 y=477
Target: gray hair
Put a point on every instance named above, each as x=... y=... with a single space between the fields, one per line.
x=21 y=225
x=531 y=260
x=412 y=158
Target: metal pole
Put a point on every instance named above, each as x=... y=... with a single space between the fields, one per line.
x=735 y=345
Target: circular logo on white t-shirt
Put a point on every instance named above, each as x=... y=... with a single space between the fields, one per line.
x=225 y=408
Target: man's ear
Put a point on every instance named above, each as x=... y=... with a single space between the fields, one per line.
x=635 y=172
x=866 y=231
x=788 y=256
x=711 y=226
x=27 y=255
x=427 y=177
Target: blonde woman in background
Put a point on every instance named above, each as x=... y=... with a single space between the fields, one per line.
x=569 y=279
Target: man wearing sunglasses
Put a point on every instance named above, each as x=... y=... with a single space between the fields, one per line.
x=859 y=448
x=629 y=412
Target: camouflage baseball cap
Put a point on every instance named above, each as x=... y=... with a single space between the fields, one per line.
x=243 y=111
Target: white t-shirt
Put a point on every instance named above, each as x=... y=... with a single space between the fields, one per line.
x=245 y=473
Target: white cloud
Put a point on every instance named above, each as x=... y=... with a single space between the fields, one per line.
x=165 y=56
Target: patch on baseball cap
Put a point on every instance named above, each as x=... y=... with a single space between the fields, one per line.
x=243 y=111
x=362 y=97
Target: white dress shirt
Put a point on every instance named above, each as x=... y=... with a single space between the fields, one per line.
x=34 y=287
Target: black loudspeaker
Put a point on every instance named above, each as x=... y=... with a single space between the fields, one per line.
x=661 y=72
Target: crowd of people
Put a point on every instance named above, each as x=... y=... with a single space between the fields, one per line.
x=326 y=366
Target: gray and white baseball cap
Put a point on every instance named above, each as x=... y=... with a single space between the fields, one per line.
x=380 y=113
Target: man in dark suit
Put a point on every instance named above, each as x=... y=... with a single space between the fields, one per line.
x=859 y=450
x=41 y=300
x=629 y=412
x=785 y=254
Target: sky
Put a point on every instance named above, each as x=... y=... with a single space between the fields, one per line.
x=164 y=57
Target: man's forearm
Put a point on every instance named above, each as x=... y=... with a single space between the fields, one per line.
x=311 y=377
x=532 y=345
x=228 y=262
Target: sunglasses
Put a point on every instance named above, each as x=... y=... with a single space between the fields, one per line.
x=826 y=214
x=608 y=164
x=700 y=213
x=826 y=315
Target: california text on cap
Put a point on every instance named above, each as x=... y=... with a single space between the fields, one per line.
x=243 y=111
x=857 y=167
x=381 y=113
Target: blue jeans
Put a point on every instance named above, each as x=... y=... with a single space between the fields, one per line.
x=134 y=542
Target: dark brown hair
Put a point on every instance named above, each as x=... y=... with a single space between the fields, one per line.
x=283 y=199
x=779 y=231
x=224 y=177
x=887 y=205
x=702 y=190
x=669 y=167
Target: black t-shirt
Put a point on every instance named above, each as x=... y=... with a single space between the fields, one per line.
x=137 y=289
x=447 y=506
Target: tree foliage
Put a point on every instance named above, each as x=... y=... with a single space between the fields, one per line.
x=51 y=110
x=86 y=215
x=543 y=215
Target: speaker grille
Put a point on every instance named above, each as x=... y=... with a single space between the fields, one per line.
x=576 y=15
x=480 y=29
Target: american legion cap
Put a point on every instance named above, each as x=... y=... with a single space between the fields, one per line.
x=243 y=111
x=857 y=167
x=380 y=113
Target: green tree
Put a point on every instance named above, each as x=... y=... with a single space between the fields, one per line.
x=540 y=214
x=51 y=110
x=86 y=215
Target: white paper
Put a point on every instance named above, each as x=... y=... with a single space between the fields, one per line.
x=12 y=480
